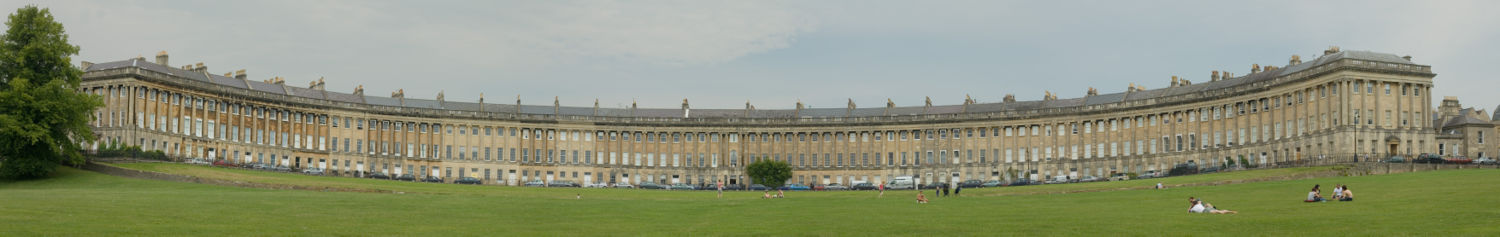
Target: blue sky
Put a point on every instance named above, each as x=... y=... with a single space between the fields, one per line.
x=720 y=54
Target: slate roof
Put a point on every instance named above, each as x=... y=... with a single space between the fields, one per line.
x=769 y=113
x=306 y=92
x=266 y=87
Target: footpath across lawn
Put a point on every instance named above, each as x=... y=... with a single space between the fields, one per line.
x=75 y=202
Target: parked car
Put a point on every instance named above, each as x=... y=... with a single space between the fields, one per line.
x=991 y=184
x=536 y=183
x=312 y=171
x=1090 y=178
x=406 y=177
x=1458 y=160
x=836 y=187
x=1429 y=159
x=224 y=163
x=196 y=161
x=432 y=179
x=937 y=185
x=651 y=185
x=596 y=185
x=1484 y=161
x=1119 y=177
x=468 y=180
x=681 y=187
x=1149 y=174
x=901 y=183
x=972 y=183
x=728 y=187
x=1020 y=182
x=372 y=175
x=562 y=184
x=1396 y=159
x=863 y=186
x=623 y=185
x=758 y=187
x=795 y=187
x=1209 y=169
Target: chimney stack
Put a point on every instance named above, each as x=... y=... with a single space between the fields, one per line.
x=200 y=68
x=1215 y=76
x=240 y=74
x=1407 y=57
x=1255 y=68
x=1175 y=82
x=1009 y=98
x=1295 y=60
x=359 y=90
x=86 y=64
x=1331 y=50
x=161 y=58
x=316 y=85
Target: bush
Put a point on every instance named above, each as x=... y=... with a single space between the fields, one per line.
x=116 y=150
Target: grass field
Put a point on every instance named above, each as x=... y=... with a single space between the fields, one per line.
x=75 y=202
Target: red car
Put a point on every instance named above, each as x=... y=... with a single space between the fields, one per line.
x=1459 y=160
x=223 y=163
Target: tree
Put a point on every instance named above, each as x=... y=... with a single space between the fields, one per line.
x=46 y=118
x=770 y=173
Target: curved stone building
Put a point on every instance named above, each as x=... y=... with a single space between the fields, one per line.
x=1342 y=104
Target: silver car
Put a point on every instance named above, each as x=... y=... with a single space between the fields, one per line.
x=312 y=171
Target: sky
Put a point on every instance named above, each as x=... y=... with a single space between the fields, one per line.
x=772 y=54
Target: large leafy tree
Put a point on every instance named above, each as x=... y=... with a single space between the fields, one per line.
x=45 y=118
x=771 y=173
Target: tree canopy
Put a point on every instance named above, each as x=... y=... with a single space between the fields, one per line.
x=46 y=117
x=771 y=173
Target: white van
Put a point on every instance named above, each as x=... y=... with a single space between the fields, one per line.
x=901 y=182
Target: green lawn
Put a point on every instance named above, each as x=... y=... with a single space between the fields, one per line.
x=1444 y=203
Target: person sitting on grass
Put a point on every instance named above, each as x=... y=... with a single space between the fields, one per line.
x=1314 y=196
x=921 y=198
x=765 y=195
x=1201 y=207
x=780 y=194
x=1338 y=192
x=1347 y=195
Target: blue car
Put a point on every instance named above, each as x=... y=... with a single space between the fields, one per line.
x=795 y=187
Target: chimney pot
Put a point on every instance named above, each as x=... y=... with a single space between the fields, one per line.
x=161 y=58
x=240 y=74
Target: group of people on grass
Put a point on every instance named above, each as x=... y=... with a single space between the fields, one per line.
x=1340 y=192
x=767 y=194
x=940 y=191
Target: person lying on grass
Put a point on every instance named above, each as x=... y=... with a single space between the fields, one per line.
x=921 y=198
x=1198 y=206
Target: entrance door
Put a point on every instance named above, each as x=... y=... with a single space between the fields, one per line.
x=588 y=179
x=1392 y=149
x=510 y=179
